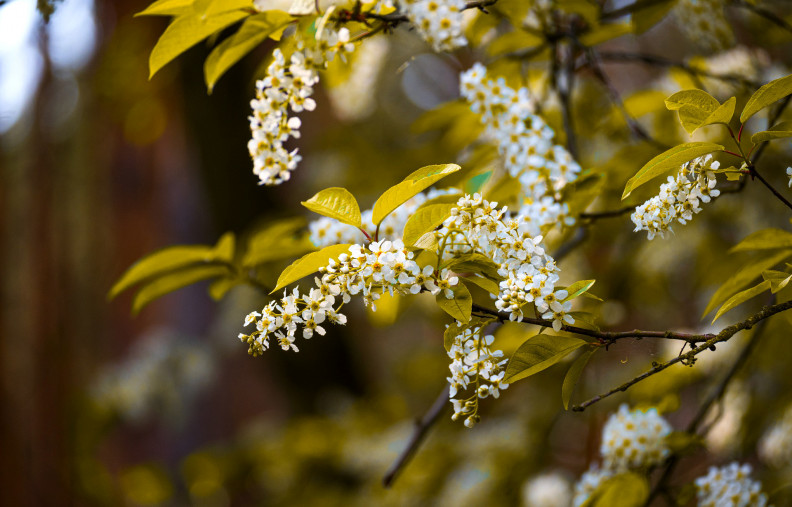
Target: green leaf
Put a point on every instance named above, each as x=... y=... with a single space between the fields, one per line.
x=253 y=32
x=218 y=6
x=722 y=115
x=186 y=31
x=167 y=8
x=698 y=108
x=681 y=442
x=412 y=184
x=224 y=248
x=477 y=182
x=459 y=306
x=338 y=203
x=475 y=263
x=488 y=285
x=509 y=42
x=668 y=160
x=782 y=130
x=278 y=240
x=697 y=99
x=161 y=262
x=766 y=95
x=646 y=18
x=742 y=297
x=778 y=279
x=174 y=281
x=219 y=288
x=743 y=277
x=578 y=288
x=451 y=333
x=764 y=240
x=573 y=376
x=625 y=490
x=425 y=219
x=606 y=32
x=539 y=353
x=308 y=264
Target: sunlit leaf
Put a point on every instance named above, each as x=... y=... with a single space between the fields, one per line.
x=649 y=16
x=539 y=353
x=308 y=264
x=425 y=219
x=460 y=306
x=174 y=281
x=742 y=297
x=578 y=288
x=778 y=279
x=167 y=8
x=253 y=32
x=450 y=334
x=573 y=376
x=764 y=240
x=162 y=262
x=218 y=6
x=336 y=202
x=766 y=95
x=409 y=187
x=186 y=31
x=669 y=159
x=698 y=99
x=780 y=131
x=629 y=489
x=278 y=240
x=485 y=283
x=509 y=42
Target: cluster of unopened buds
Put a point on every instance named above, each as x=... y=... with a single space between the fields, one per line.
x=524 y=140
x=440 y=22
x=679 y=199
x=288 y=84
x=631 y=440
x=475 y=364
x=367 y=270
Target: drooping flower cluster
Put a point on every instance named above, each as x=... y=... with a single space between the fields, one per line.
x=474 y=364
x=631 y=440
x=327 y=231
x=634 y=439
x=775 y=447
x=525 y=141
x=440 y=22
x=529 y=273
x=289 y=84
x=705 y=23
x=679 y=199
x=729 y=485
x=369 y=270
x=548 y=490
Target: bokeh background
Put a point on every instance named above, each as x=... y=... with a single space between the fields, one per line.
x=100 y=166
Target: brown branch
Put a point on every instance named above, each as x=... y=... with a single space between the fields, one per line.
x=724 y=335
x=596 y=215
x=775 y=192
x=422 y=427
x=604 y=337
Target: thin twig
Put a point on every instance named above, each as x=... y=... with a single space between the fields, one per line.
x=724 y=335
x=770 y=187
x=422 y=427
x=770 y=122
x=768 y=15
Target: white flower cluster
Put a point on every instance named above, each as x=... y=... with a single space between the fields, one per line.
x=288 y=85
x=474 y=364
x=634 y=439
x=631 y=440
x=729 y=485
x=525 y=141
x=588 y=484
x=789 y=174
x=440 y=22
x=327 y=231
x=370 y=271
x=529 y=273
x=705 y=23
x=775 y=447
x=679 y=198
x=548 y=490
x=355 y=98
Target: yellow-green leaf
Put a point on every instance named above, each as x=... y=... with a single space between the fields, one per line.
x=278 y=240
x=167 y=8
x=220 y=287
x=604 y=33
x=668 y=160
x=698 y=99
x=682 y=442
x=698 y=108
x=766 y=95
x=451 y=332
x=743 y=277
x=629 y=489
x=578 y=288
x=224 y=248
x=308 y=264
x=460 y=306
x=742 y=297
x=161 y=262
x=778 y=279
x=186 y=31
x=539 y=353
x=764 y=240
x=485 y=283
x=723 y=114
x=573 y=376
x=646 y=18
x=509 y=42
x=336 y=202
x=409 y=187
x=174 y=281
x=780 y=131
x=218 y=6
x=425 y=219
x=253 y=32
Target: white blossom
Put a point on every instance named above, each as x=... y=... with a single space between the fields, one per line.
x=634 y=439
x=588 y=484
x=548 y=490
x=440 y=22
x=729 y=485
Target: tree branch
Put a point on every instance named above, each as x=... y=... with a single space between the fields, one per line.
x=724 y=335
x=596 y=215
x=768 y=15
x=422 y=427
